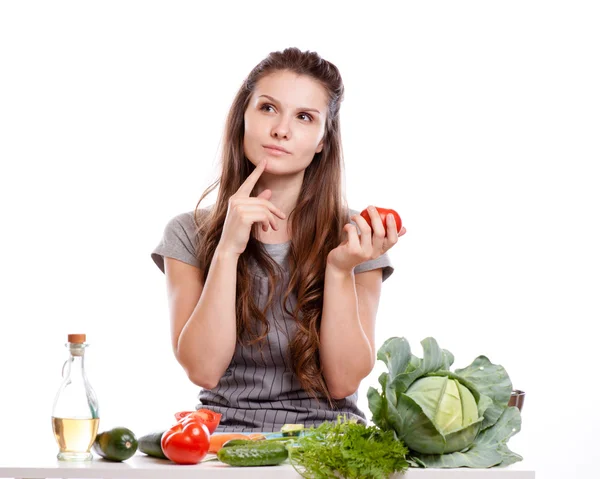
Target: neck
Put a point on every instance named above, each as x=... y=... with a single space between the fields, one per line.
x=285 y=189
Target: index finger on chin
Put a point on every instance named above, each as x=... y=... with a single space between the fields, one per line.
x=252 y=179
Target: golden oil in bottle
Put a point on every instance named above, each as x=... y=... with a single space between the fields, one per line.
x=74 y=436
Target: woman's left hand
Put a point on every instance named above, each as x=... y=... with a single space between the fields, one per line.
x=356 y=250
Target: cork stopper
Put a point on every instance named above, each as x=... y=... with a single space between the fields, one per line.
x=76 y=338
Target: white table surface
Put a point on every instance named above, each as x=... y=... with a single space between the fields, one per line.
x=142 y=466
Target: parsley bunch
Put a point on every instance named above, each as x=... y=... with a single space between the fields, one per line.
x=347 y=449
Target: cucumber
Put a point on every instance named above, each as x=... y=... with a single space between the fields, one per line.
x=288 y=430
x=150 y=445
x=117 y=444
x=260 y=453
x=239 y=442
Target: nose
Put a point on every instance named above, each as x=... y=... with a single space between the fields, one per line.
x=281 y=130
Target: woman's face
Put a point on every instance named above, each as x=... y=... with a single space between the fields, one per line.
x=289 y=111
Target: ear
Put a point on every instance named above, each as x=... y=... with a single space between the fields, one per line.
x=320 y=146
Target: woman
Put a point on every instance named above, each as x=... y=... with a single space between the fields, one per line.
x=272 y=291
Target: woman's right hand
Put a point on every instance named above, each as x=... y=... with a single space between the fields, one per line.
x=243 y=211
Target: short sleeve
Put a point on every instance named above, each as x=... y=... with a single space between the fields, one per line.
x=384 y=262
x=178 y=241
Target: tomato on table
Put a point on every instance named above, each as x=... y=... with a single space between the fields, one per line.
x=210 y=418
x=187 y=442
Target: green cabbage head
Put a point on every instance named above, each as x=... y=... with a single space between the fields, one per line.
x=442 y=413
x=446 y=418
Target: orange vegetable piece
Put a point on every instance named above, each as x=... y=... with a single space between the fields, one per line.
x=217 y=440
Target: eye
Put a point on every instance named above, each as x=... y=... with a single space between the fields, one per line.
x=267 y=105
x=307 y=115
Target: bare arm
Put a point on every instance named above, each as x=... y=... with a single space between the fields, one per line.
x=203 y=317
x=350 y=303
x=203 y=323
x=348 y=328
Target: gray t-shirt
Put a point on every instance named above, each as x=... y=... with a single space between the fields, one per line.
x=261 y=392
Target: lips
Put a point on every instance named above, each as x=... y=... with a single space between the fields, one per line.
x=277 y=148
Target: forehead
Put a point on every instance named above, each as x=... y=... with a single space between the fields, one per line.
x=293 y=90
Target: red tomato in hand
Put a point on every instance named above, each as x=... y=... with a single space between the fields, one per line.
x=210 y=418
x=383 y=212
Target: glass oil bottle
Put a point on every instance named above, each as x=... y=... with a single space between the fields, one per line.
x=75 y=418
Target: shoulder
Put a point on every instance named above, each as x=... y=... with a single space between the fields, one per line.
x=187 y=220
x=180 y=238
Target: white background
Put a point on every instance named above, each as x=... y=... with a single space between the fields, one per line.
x=477 y=121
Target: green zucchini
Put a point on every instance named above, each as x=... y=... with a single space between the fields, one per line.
x=117 y=444
x=150 y=444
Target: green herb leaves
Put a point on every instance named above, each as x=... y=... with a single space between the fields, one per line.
x=347 y=449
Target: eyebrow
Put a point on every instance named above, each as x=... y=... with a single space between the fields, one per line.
x=303 y=109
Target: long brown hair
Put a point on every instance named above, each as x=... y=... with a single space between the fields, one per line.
x=317 y=220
